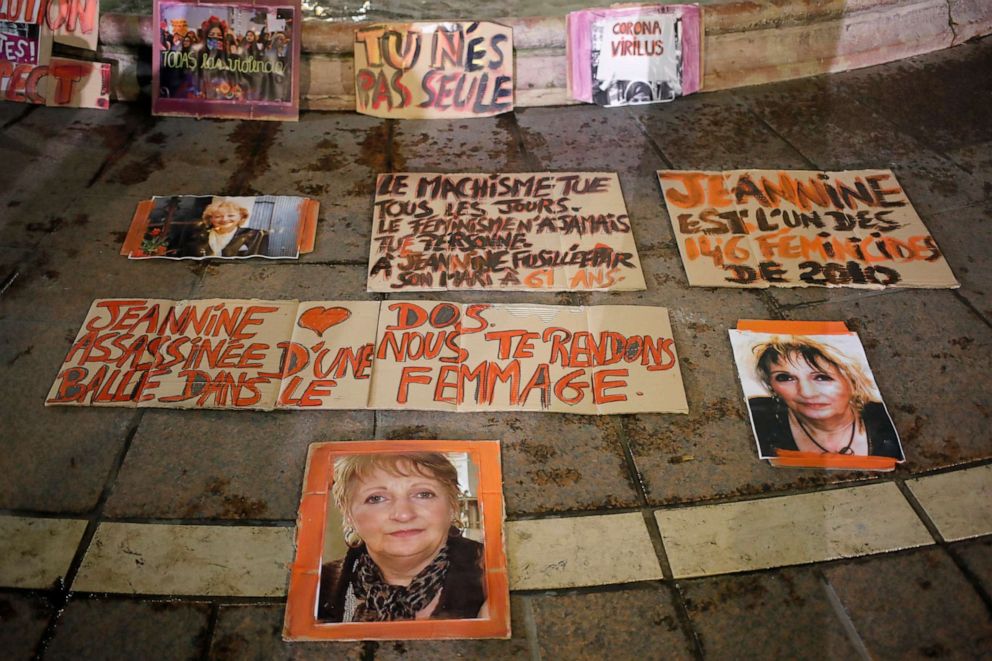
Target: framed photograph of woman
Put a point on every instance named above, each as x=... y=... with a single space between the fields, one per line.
x=812 y=398
x=222 y=227
x=400 y=540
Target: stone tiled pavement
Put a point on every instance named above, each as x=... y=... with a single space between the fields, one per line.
x=72 y=181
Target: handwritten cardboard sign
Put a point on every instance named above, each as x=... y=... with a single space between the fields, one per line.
x=790 y=228
x=812 y=398
x=630 y=55
x=234 y=59
x=31 y=73
x=220 y=227
x=523 y=231
x=470 y=529
x=423 y=355
x=431 y=70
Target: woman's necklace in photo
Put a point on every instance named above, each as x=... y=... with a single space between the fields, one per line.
x=847 y=449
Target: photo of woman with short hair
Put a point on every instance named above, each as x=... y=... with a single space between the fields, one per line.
x=813 y=396
x=407 y=558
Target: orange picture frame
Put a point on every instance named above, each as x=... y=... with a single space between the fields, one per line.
x=301 y=622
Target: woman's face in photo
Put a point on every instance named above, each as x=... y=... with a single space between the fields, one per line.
x=815 y=393
x=400 y=516
x=250 y=37
x=226 y=219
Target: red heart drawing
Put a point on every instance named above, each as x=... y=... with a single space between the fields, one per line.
x=319 y=319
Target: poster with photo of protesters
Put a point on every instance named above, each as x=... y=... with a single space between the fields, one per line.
x=227 y=60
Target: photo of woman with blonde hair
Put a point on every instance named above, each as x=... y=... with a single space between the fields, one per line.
x=407 y=558
x=222 y=232
x=818 y=401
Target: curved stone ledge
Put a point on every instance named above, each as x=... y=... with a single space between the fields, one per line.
x=747 y=42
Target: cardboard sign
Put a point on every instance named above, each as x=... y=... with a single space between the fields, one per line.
x=790 y=228
x=30 y=73
x=423 y=355
x=431 y=70
x=634 y=55
x=456 y=489
x=522 y=231
x=812 y=398
x=218 y=227
x=239 y=60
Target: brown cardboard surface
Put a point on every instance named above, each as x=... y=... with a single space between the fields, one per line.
x=797 y=228
x=429 y=70
x=421 y=355
x=521 y=231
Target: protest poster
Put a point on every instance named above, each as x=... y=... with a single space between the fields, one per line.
x=443 y=356
x=812 y=399
x=634 y=55
x=227 y=60
x=418 y=355
x=424 y=70
x=523 y=231
x=222 y=227
x=348 y=543
x=32 y=70
x=799 y=228
x=329 y=360
x=209 y=353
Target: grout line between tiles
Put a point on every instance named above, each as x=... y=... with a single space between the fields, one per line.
x=969 y=575
x=64 y=590
x=530 y=629
x=211 y=628
x=964 y=300
x=845 y=618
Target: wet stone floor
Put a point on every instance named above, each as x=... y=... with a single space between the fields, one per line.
x=73 y=478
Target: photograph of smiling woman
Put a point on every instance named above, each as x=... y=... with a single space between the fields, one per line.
x=406 y=520
x=817 y=399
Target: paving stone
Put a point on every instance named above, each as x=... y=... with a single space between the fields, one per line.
x=23 y=619
x=133 y=558
x=977 y=160
x=959 y=503
x=187 y=156
x=965 y=238
x=913 y=605
x=37 y=552
x=255 y=632
x=946 y=116
x=283 y=281
x=977 y=556
x=55 y=459
x=789 y=530
x=551 y=462
x=486 y=144
x=80 y=260
x=30 y=220
x=784 y=614
x=631 y=624
x=57 y=152
x=516 y=647
x=716 y=131
x=333 y=158
x=710 y=452
x=127 y=629
x=580 y=551
x=929 y=355
x=829 y=126
x=602 y=139
x=224 y=464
